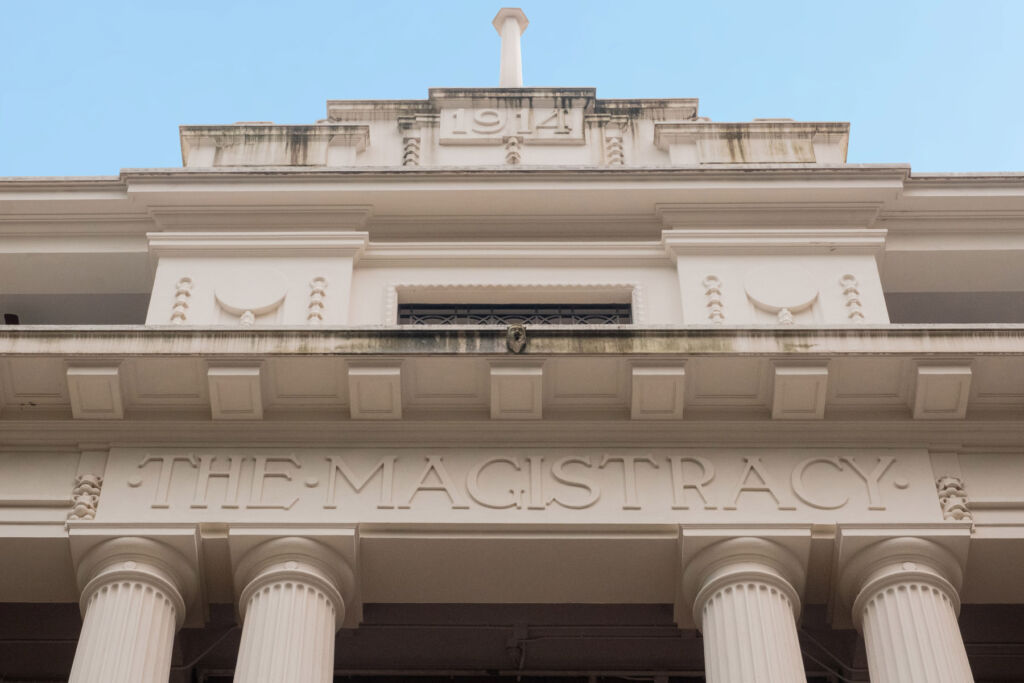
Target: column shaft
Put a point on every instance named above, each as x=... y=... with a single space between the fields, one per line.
x=911 y=634
x=288 y=635
x=750 y=635
x=745 y=596
x=127 y=635
x=291 y=604
x=133 y=602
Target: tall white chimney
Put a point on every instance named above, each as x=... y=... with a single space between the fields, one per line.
x=510 y=22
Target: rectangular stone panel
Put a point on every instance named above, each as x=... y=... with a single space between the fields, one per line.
x=510 y=486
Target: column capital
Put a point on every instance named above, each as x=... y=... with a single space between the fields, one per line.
x=296 y=559
x=143 y=560
x=740 y=560
x=894 y=561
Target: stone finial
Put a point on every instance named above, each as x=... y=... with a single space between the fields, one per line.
x=510 y=22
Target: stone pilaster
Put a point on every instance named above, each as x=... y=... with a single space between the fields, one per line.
x=746 y=601
x=133 y=602
x=292 y=603
x=906 y=605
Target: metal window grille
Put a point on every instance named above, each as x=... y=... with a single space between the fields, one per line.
x=511 y=314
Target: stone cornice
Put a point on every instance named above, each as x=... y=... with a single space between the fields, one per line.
x=935 y=341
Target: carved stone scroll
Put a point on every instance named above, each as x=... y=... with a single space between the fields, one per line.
x=953 y=499
x=85 y=496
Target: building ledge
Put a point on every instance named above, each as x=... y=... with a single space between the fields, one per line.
x=548 y=340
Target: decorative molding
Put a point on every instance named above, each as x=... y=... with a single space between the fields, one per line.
x=317 y=294
x=761 y=241
x=250 y=292
x=513 y=149
x=182 y=295
x=761 y=214
x=713 y=294
x=783 y=290
x=256 y=216
x=953 y=499
x=85 y=496
x=851 y=295
x=637 y=300
x=349 y=243
x=515 y=253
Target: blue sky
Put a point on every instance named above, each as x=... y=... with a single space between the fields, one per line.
x=88 y=88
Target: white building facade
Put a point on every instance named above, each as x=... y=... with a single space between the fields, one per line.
x=512 y=383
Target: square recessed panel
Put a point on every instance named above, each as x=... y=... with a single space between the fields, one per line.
x=586 y=382
x=799 y=392
x=727 y=382
x=446 y=382
x=869 y=381
x=95 y=393
x=166 y=381
x=375 y=392
x=516 y=392
x=235 y=393
x=307 y=381
x=998 y=381
x=658 y=392
x=942 y=392
x=35 y=381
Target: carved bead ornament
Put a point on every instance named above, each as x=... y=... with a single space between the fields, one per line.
x=317 y=294
x=614 y=151
x=410 y=151
x=713 y=293
x=182 y=295
x=851 y=295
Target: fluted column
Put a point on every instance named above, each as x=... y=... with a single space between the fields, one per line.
x=746 y=601
x=906 y=605
x=291 y=605
x=133 y=603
